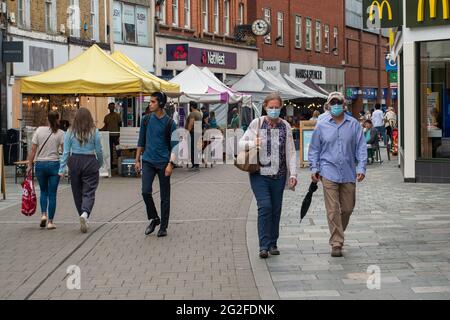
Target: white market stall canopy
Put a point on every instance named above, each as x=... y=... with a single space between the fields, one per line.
x=260 y=83
x=302 y=87
x=199 y=86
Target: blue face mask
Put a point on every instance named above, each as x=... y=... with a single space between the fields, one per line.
x=337 y=110
x=273 y=113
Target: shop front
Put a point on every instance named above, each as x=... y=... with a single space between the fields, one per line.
x=423 y=51
x=329 y=79
x=229 y=63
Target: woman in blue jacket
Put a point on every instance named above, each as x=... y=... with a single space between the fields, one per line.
x=84 y=157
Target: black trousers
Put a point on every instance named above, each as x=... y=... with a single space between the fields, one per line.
x=149 y=171
x=84 y=178
x=194 y=152
x=113 y=141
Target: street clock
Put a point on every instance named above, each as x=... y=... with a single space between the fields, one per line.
x=260 y=27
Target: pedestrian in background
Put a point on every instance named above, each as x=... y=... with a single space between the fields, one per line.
x=155 y=148
x=378 y=122
x=47 y=141
x=338 y=156
x=112 y=122
x=269 y=183
x=84 y=156
x=194 y=116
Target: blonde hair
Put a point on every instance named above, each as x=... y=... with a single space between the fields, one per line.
x=83 y=127
x=272 y=96
x=316 y=114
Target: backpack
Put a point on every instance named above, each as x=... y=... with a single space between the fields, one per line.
x=168 y=132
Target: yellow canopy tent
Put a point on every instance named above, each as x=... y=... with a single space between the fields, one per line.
x=92 y=73
x=167 y=87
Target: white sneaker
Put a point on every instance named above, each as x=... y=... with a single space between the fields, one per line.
x=84 y=222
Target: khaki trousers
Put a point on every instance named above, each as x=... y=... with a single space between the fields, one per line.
x=340 y=201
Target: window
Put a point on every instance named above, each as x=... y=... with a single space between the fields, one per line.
x=216 y=16
x=205 y=14
x=175 y=12
x=162 y=13
x=267 y=17
x=94 y=21
x=23 y=13
x=241 y=14
x=117 y=22
x=41 y=59
x=327 y=38
x=129 y=22
x=335 y=37
x=187 y=13
x=298 y=32
x=50 y=16
x=280 y=31
x=226 y=15
x=308 y=35
x=142 y=25
x=434 y=127
x=74 y=18
x=318 y=37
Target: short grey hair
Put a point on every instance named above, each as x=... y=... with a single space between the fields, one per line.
x=272 y=96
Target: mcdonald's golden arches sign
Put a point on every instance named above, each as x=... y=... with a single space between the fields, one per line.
x=382 y=13
x=423 y=13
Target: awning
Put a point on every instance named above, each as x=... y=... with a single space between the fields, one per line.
x=92 y=73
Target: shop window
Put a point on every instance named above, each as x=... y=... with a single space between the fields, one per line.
x=434 y=101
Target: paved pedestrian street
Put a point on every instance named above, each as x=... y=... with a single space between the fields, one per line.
x=211 y=251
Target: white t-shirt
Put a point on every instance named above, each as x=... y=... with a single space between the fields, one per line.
x=377 y=118
x=50 y=152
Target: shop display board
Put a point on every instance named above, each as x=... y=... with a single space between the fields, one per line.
x=306 y=131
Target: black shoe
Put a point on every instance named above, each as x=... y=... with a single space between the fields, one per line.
x=274 y=251
x=263 y=254
x=162 y=233
x=151 y=227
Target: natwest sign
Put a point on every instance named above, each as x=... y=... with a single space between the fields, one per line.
x=303 y=72
x=212 y=58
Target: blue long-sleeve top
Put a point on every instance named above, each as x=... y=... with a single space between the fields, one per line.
x=72 y=145
x=338 y=151
x=154 y=140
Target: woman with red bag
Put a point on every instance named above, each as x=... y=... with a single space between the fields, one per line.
x=47 y=142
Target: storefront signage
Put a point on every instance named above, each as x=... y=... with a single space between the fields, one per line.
x=271 y=66
x=352 y=93
x=383 y=13
x=394 y=94
x=304 y=72
x=212 y=58
x=393 y=77
x=391 y=64
x=13 y=51
x=424 y=13
x=177 y=52
x=370 y=93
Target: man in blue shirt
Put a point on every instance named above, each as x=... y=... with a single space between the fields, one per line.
x=156 y=147
x=338 y=156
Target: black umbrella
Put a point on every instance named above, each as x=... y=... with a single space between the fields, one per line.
x=307 y=201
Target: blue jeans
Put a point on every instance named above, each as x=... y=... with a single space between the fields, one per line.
x=269 y=198
x=149 y=171
x=48 y=178
x=382 y=132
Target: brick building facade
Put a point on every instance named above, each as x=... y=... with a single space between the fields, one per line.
x=305 y=36
x=196 y=27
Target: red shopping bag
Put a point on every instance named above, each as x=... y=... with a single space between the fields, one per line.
x=29 y=200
